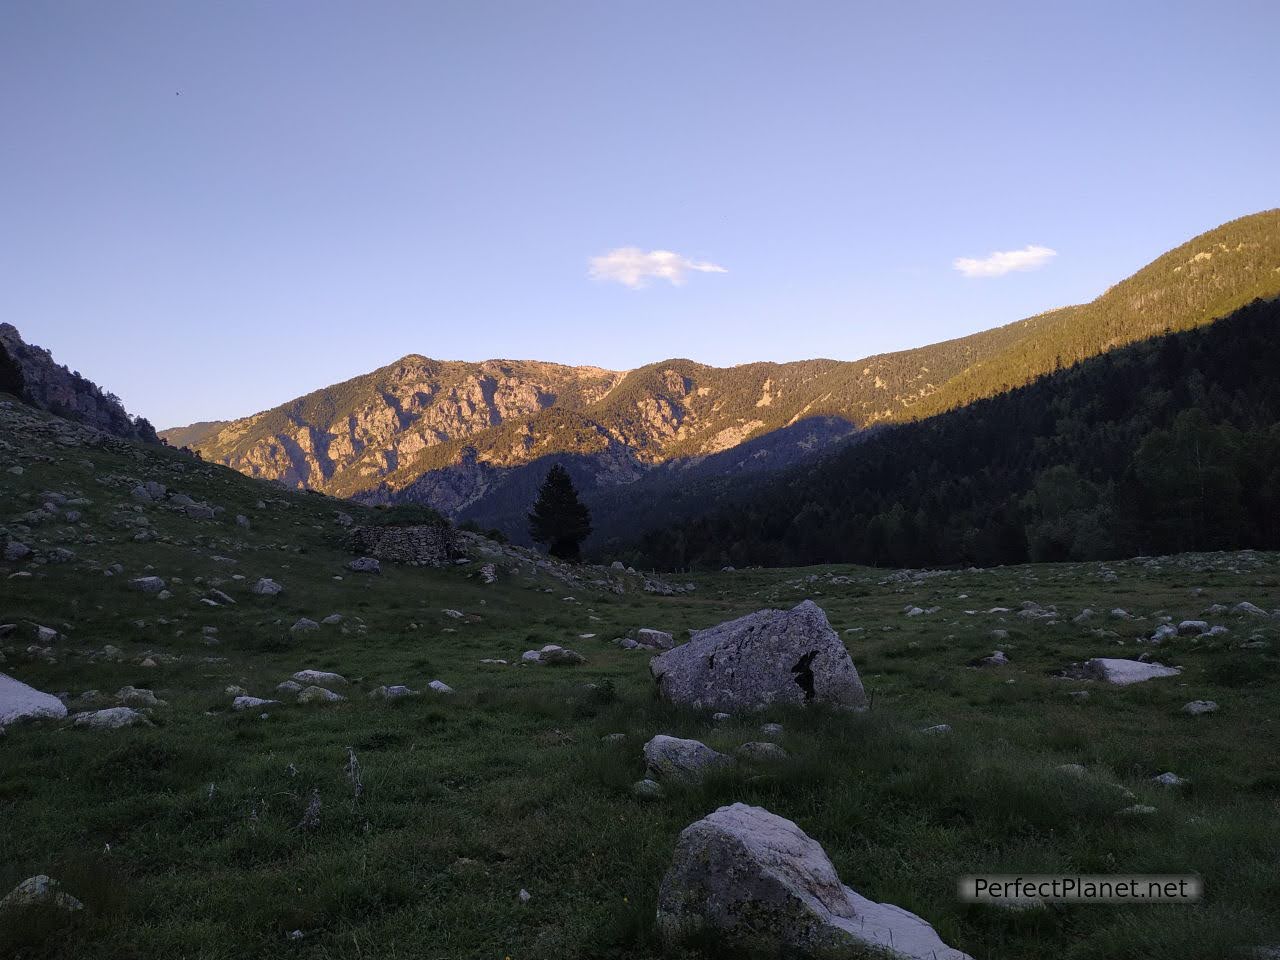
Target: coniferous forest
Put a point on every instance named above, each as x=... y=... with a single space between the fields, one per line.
x=1166 y=445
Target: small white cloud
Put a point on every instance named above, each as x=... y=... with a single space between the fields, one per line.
x=633 y=267
x=1005 y=261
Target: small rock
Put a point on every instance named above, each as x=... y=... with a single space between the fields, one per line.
x=320 y=678
x=762 y=751
x=1197 y=708
x=681 y=761
x=112 y=718
x=147 y=584
x=365 y=565
x=1170 y=780
x=319 y=695
x=647 y=789
x=137 y=697
x=439 y=686
x=252 y=703
x=266 y=587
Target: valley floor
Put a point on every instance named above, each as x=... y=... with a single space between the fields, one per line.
x=408 y=828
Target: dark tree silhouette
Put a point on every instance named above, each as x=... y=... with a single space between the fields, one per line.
x=559 y=519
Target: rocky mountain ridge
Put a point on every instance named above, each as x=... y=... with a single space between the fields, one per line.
x=457 y=435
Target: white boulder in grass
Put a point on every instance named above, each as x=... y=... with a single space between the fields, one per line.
x=1124 y=672
x=39 y=891
x=320 y=678
x=21 y=702
x=755 y=881
x=112 y=718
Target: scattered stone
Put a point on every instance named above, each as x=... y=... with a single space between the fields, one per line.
x=489 y=573
x=304 y=625
x=761 y=751
x=266 y=587
x=1138 y=810
x=137 y=697
x=771 y=729
x=39 y=891
x=1166 y=631
x=15 y=550
x=365 y=565
x=614 y=738
x=647 y=789
x=332 y=619
x=147 y=584
x=252 y=703
x=288 y=688
x=319 y=695
x=553 y=655
x=997 y=659
x=756 y=882
x=1248 y=609
x=394 y=692
x=1198 y=708
x=21 y=702
x=320 y=678
x=1170 y=780
x=654 y=639
x=772 y=656
x=1192 y=628
x=681 y=761
x=721 y=717
x=938 y=728
x=112 y=718
x=439 y=686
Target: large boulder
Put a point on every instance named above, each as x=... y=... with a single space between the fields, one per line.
x=20 y=702
x=772 y=656
x=756 y=882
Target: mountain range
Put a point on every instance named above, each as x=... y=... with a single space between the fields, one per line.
x=473 y=439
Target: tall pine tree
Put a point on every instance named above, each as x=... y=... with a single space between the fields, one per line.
x=559 y=519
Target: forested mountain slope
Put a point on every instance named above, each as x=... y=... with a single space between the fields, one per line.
x=1167 y=445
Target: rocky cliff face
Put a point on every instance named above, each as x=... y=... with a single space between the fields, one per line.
x=30 y=373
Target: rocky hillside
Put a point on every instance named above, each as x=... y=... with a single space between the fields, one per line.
x=30 y=373
x=451 y=434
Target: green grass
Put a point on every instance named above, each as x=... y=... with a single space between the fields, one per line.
x=183 y=839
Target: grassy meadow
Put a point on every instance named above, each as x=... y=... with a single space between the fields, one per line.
x=192 y=837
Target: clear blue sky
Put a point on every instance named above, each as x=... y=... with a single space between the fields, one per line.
x=210 y=208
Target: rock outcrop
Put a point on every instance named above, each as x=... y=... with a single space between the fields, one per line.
x=31 y=374
x=769 y=657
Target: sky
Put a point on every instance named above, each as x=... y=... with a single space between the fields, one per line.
x=211 y=208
